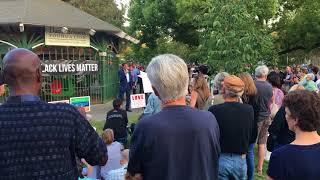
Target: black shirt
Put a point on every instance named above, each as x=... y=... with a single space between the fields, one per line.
x=254 y=101
x=178 y=143
x=279 y=130
x=117 y=120
x=295 y=162
x=236 y=122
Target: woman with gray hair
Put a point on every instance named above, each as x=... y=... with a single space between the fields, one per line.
x=179 y=142
x=217 y=83
x=308 y=83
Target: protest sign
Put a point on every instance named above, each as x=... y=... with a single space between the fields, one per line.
x=146 y=82
x=138 y=101
x=62 y=101
x=83 y=102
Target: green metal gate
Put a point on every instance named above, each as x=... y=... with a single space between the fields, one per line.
x=100 y=86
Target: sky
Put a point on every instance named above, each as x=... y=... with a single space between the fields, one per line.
x=126 y=3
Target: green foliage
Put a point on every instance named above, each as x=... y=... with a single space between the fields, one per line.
x=227 y=35
x=144 y=55
x=102 y=45
x=106 y=10
x=299 y=27
x=233 y=39
x=157 y=25
x=21 y=40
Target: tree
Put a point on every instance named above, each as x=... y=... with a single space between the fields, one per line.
x=106 y=10
x=299 y=26
x=230 y=35
x=233 y=38
x=156 y=24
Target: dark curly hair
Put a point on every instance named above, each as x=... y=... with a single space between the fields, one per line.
x=117 y=104
x=274 y=79
x=315 y=69
x=305 y=106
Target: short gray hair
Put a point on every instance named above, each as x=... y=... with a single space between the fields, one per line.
x=232 y=94
x=168 y=74
x=218 y=79
x=311 y=75
x=262 y=71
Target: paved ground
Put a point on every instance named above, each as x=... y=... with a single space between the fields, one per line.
x=98 y=112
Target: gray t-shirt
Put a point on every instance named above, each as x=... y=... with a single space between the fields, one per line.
x=265 y=93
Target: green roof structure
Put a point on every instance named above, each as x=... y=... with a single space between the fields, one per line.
x=55 y=13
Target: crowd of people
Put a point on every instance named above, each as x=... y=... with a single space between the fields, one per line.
x=248 y=108
x=186 y=132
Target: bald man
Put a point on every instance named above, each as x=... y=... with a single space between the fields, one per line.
x=40 y=140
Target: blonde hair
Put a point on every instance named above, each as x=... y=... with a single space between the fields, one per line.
x=296 y=88
x=108 y=136
x=249 y=86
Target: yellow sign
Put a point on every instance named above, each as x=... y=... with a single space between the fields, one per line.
x=55 y=38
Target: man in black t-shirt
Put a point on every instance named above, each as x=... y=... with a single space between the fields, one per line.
x=236 y=123
x=117 y=120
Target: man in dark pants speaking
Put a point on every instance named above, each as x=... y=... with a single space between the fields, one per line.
x=125 y=86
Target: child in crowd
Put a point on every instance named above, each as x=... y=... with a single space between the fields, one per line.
x=117 y=120
x=114 y=152
x=119 y=174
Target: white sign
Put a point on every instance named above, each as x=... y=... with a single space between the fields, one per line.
x=138 y=101
x=147 y=87
x=62 y=101
x=54 y=38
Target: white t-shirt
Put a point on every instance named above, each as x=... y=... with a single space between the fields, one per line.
x=128 y=76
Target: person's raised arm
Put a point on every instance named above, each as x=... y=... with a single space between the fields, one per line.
x=89 y=168
x=269 y=178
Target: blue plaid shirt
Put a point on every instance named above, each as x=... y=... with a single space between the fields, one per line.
x=117 y=174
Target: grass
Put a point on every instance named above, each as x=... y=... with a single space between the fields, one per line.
x=133 y=118
x=264 y=170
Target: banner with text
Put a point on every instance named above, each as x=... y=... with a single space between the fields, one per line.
x=69 y=67
x=138 y=101
x=54 y=37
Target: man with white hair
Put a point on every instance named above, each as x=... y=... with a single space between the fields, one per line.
x=265 y=92
x=179 y=142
